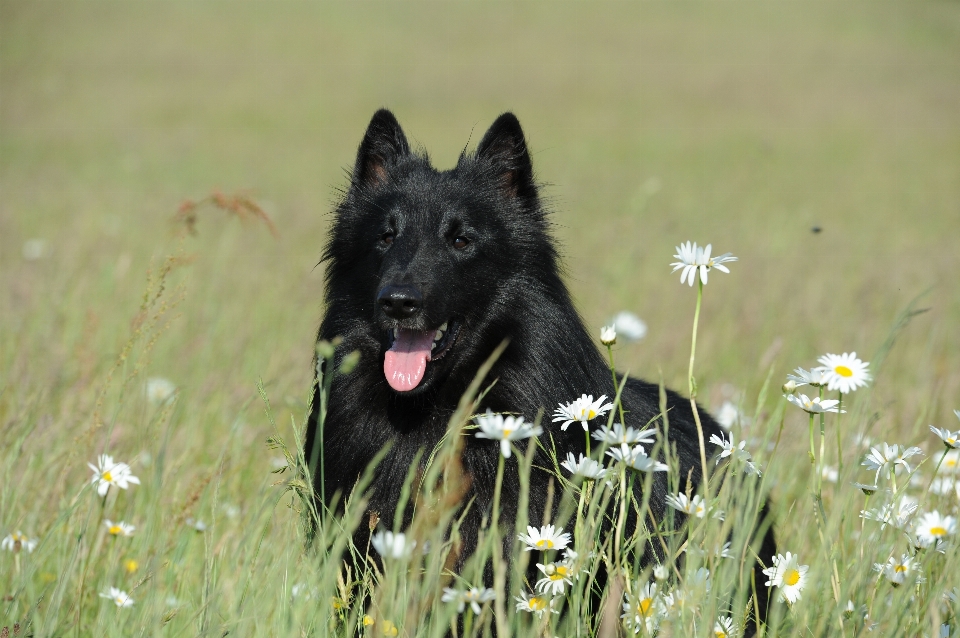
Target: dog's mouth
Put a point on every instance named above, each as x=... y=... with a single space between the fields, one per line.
x=405 y=363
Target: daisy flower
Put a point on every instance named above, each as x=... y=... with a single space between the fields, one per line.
x=661 y=572
x=159 y=390
x=583 y=409
x=393 y=545
x=728 y=415
x=556 y=576
x=950 y=439
x=735 y=452
x=724 y=627
x=895 y=514
x=608 y=335
x=933 y=528
x=618 y=435
x=694 y=259
x=107 y=472
x=17 y=542
x=865 y=488
x=585 y=467
x=545 y=538
x=535 y=603
x=475 y=596
x=951 y=462
x=787 y=574
x=815 y=376
x=896 y=571
x=505 y=429
x=691 y=507
x=885 y=455
x=814 y=405
x=629 y=326
x=119 y=529
x=845 y=372
x=644 y=611
x=636 y=458
x=119 y=598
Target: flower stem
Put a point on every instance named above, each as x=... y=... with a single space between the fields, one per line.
x=813 y=457
x=823 y=438
x=693 y=392
x=613 y=371
x=839 y=446
x=499 y=565
x=936 y=469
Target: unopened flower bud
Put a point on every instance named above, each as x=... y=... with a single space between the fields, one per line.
x=608 y=335
x=789 y=387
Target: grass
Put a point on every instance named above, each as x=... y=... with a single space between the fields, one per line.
x=743 y=125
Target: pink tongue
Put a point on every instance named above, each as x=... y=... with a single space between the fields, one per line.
x=405 y=363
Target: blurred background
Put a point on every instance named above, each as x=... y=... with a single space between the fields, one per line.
x=819 y=142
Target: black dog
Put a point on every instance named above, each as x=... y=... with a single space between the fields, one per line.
x=427 y=273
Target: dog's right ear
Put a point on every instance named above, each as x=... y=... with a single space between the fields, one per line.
x=383 y=145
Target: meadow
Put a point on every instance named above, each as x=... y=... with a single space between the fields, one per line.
x=817 y=142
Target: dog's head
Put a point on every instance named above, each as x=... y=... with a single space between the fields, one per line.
x=426 y=265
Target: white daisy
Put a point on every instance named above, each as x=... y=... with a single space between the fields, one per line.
x=107 y=472
x=535 y=603
x=505 y=429
x=945 y=485
x=736 y=452
x=644 y=610
x=691 y=507
x=950 y=439
x=393 y=545
x=585 y=467
x=845 y=372
x=661 y=572
x=556 y=576
x=814 y=405
x=788 y=575
x=120 y=598
x=725 y=627
x=608 y=335
x=866 y=488
x=17 y=542
x=694 y=260
x=830 y=473
x=951 y=462
x=618 y=435
x=885 y=455
x=629 y=326
x=896 y=514
x=546 y=538
x=160 y=390
x=729 y=415
x=119 y=529
x=583 y=410
x=933 y=528
x=815 y=376
x=636 y=458
x=475 y=596
x=897 y=571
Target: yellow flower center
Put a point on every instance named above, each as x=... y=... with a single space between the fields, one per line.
x=559 y=572
x=114 y=529
x=545 y=543
x=131 y=565
x=792 y=577
x=537 y=604
x=721 y=634
x=938 y=531
x=900 y=569
x=591 y=414
x=107 y=476
x=507 y=433
x=843 y=371
x=367 y=620
x=645 y=606
x=951 y=462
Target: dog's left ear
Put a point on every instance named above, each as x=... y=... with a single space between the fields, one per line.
x=504 y=149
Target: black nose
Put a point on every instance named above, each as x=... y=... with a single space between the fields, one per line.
x=400 y=302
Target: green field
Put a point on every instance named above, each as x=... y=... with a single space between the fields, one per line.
x=741 y=124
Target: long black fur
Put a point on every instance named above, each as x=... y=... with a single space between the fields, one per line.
x=506 y=283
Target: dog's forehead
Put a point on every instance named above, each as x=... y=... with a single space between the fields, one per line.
x=434 y=197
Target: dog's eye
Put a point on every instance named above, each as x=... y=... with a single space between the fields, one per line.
x=460 y=243
x=387 y=238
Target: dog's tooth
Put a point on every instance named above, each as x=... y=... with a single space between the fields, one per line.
x=437 y=337
x=443 y=328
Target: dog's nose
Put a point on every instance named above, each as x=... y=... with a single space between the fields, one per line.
x=400 y=302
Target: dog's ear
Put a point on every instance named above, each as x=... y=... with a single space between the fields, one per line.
x=504 y=149
x=383 y=145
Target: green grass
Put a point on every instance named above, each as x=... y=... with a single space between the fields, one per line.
x=757 y=120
